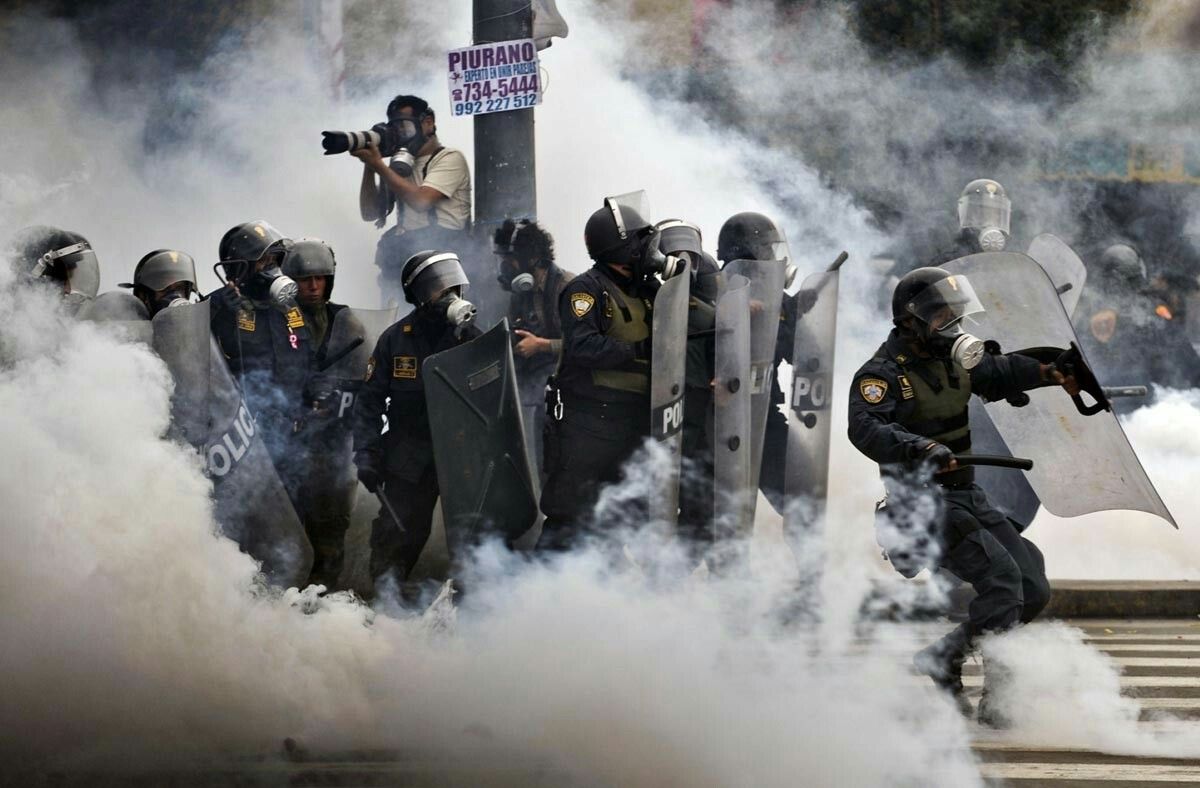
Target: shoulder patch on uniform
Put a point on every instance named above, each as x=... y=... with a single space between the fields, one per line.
x=582 y=303
x=370 y=369
x=404 y=367
x=246 y=320
x=906 y=389
x=294 y=318
x=873 y=390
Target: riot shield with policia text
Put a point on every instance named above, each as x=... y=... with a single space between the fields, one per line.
x=767 y=279
x=484 y=473
x=1082 y=460
x=806 y=482
x=668 y=360
x=733 y=493
x=208 y=412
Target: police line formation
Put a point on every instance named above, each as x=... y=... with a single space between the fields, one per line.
x=297 y=401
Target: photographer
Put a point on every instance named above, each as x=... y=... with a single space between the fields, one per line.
x=430 y=186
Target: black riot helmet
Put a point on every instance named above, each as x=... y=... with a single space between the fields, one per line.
x=428 y=273
x=1122 y=267
x=935 y=297
x=309 y=257
x=750 y=236
x=245 y=244
x=46 y=254
x=614 y=233
x=163 y=270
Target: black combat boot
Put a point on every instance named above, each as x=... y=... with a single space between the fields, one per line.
x=995 y=680
x=942 y=662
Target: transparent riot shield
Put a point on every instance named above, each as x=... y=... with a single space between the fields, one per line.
x=1082 y=464
x=120 y=310
x=669 y=352
x=733 y=493
x=766 y=298
x=483 y=469
x=810 y=406
x=208 y=412
x=1063 y=266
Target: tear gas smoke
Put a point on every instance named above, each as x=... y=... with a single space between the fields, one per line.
x=131 y=626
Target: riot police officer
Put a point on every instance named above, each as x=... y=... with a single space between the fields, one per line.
x=753 y=236
x=321 y=460
x=399 y=463
x=527 y=270
x=599 y=404
x=58 y=259
x=162 y=279
x=262 y=332
x=908 y=412
x=984 y=221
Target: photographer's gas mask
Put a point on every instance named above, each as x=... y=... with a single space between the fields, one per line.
x=984 y=212
x=941 y=309
x=408 y=138
x=514 y=274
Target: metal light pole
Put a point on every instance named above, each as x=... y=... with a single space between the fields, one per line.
x=505 y=163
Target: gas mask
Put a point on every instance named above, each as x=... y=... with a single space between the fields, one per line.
x=175 y=296
x=410 y=140
x=990 y=239
x=272 y=285
x=513 y=279
x=456 y=310
x=952 y=342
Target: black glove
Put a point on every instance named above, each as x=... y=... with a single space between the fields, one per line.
x=230 y=299
x=937 y=455
x=368 y=474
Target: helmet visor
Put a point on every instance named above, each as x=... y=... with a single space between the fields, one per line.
x=984 y=210
x=636 y=201
x=165 y=269
x=435 y=275
x=945 y=303
x=677 y=236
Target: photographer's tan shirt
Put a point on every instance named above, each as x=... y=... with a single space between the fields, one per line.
x=449 y=174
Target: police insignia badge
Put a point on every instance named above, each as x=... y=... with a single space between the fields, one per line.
x=873 y=389
x=246 y=320
x=370 y=368
x=404 y=367
x=906 y=389
x=582 y=303
x=1104 y=325
x=294 y=318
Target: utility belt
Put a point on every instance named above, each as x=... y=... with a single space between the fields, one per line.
x=560 y=403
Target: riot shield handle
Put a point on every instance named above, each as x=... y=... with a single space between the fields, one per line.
x=837 y=263
x=1070 y=362
x=995 y=461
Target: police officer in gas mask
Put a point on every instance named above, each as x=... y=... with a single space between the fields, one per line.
x=598 y=408
x=984 y=217
x=908 y=412
x=162 y=279
x=321 y=459
x=262 y=332
x=399 y=463
x=526 y=270
x=753 y=236
x=57 y=260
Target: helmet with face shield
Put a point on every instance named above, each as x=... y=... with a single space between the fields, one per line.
x=754 y=236
x=164 y=278
x=50 y=255
x=614 y=232
x=940 y=302
x=985 y=211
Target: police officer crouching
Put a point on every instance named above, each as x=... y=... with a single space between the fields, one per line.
x=399 y=463
x=321 y=460
x=908 y=411
x=599 y=407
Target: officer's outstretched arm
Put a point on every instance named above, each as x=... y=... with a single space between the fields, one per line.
x=370 y=403
x=872 y=421
x=584 y=324
x=999 y=377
